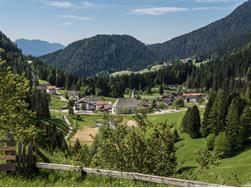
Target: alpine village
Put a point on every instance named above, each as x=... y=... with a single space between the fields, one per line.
x=110 y=110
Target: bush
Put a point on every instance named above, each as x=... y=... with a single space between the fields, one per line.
x=210 y=142
x=179 y=102
x=146 y=149
x=221 y=145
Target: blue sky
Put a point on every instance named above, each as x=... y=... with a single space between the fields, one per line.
x=150 y=21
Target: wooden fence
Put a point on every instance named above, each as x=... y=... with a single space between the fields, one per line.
x=16 y=159
x=9 y=154
x=26 y=160
x=126 y=175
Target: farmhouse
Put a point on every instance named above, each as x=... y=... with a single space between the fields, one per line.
x=125 y=106
x=169 y=99
x=87 y=103
x=51 y=90
x=193 y=97
x=103 y=105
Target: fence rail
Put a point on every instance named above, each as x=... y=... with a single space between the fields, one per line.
x=10 y=154
x=126 y=175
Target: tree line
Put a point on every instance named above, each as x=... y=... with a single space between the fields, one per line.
x=226 y=123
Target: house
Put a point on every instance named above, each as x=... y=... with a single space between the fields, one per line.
x=125 y=106
x=73 y=95
x=103 y=105
x=193 y=97
x=87 y=103
x=51 y=90
x=168 y=100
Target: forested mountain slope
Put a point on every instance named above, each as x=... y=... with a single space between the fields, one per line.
x=208 y=38
x=101 y=53
x=230 y=73
x=37 y=47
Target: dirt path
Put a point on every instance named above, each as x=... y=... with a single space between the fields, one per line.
x=70 y=127
x=85 y=134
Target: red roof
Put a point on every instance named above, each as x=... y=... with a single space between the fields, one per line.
x=103 y=103
x=192 y=94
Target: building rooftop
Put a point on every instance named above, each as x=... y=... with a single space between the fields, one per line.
x=127 y=103
x=192 y=94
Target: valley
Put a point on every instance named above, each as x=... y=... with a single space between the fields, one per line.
x=110 y=110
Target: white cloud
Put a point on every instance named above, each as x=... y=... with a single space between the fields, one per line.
x=87 y=4
x=158 y=10
x=75 y=17
x=60 y=4
x=67 y=23
x=68 y=4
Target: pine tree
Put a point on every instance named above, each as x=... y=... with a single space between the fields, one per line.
x=216 y=117
x=245 y=121
x=205 y=128
x=233 y=130
x=191 y=123
x=186 y=119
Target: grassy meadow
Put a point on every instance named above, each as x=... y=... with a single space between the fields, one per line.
x=230 y=171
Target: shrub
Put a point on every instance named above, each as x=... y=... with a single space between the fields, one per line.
x=210 y=142
x=179 y=102
x=146 y=149
x=220 y=145
x=205 y=159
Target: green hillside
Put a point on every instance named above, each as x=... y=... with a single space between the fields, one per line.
x=101 y=53
x=208 y=38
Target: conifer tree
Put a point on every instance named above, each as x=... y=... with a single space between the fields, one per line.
x=216 y=117
x=205 y=128
x=245 y=121
x=191 y=123
x=233 y=130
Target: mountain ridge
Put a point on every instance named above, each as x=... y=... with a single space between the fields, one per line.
x=109 y=53
x=198 y=42
x=37 y=47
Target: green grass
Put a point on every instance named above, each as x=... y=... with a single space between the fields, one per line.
x=56 y=103
x=60 y=125
x=172 y=117
x=187 y=148
x=239 y=165
x=150 y=69
x=62 y=92
x=86 y=120
x=67 y=179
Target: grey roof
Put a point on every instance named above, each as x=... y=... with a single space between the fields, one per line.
x=127 y=103
x=88 y=99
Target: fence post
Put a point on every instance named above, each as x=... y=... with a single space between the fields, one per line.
x=10 y=142
x=31 y=158
x=20 y=158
